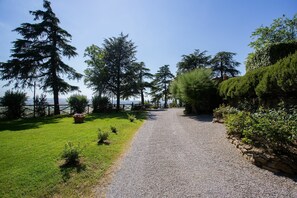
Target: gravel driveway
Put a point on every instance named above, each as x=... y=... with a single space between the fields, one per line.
x=178 y=156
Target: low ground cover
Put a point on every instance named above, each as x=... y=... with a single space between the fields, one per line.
x=31 y=150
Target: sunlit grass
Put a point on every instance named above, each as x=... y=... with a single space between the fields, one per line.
x=30 y=154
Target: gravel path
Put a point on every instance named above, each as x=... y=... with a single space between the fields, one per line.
x=177 y=156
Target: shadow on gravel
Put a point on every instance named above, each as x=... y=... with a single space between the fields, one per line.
x=200 y=118
x=292 y=177
x=152 y=116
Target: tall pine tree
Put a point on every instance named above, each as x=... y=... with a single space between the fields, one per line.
x=38 y=56
x=160 y=84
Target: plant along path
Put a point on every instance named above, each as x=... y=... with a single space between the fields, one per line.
x=179 y=156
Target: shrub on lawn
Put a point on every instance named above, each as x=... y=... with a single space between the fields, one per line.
x=14 y=103
x=78 y=103
x=131 y=117
x=100 y=104
x=113 y=129
x=102 y=136
x=40 y=105
x=71 y=153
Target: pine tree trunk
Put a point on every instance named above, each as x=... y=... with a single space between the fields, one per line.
x=56 y=101
x=142 y=97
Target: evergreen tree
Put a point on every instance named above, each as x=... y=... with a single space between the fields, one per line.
x=119 y=55
x=223 y=65
x=160 y=87
x=193 y=61
x=142 y=73
x=38 y=56
x=96 y=75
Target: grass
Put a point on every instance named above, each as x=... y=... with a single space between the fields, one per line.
x=30 y=154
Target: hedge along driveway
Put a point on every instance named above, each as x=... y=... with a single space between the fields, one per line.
x=30 y=153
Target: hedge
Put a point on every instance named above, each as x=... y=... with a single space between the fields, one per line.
x=269 y=55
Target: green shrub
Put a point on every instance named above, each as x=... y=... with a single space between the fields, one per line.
x=236 y=123
x=274 y=83
x=40 y=105
x=113 y=129
x=270 y=128
x=197 y=90
x=102 y=136
x=101 y=104
x=71 y=153
x=273 y=128
x=269 y=55
x=78 y=103
x=223 y=111
x=14 y=103
x=131 y=117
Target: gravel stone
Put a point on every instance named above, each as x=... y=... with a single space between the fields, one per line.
x=174 y=155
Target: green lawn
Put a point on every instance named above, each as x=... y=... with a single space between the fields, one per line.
x=30 y=154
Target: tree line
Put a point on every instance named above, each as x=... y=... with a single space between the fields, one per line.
x=112 y=68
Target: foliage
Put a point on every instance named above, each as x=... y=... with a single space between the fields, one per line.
x=269 y=55
x=193 y=61
x=223 y=111
x=223 y=65
x=197 y=89
x=119 y=54
x=131 y=117
x=96 y=75
x=71 y=153
x=236 y=123
x=160 y=84
x=113 y=129
x=78 y=103
x=37 y=56
x=281 y=30
x=271 y=128
x=275 y=82
x=142 y=73
x=100 y=104
x=14 y=103
x=102 y=136
x=40 y=105
x=30 y=150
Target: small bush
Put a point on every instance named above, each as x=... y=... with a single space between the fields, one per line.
x=270 y=128
x=101 y=104
x=236 y=123
x=102 y=136
x=71 y=153
x=222 y=111
x=78 y=103
x=131 y=117
x=40 y=105
x=113 y=129
x=14 y=103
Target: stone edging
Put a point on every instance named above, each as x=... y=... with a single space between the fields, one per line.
x=264 y=160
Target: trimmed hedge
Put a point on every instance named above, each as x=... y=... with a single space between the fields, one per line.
x=274 y=82
x=269 y=55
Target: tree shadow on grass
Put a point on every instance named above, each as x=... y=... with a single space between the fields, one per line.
x=27 y=123
x=67 y=168
x=140 y=115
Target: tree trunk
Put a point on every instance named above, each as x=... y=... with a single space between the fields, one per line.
x=165 y=97
x=142 y=97
x=56 y=101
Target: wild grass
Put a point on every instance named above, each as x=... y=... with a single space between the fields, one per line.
x=31 y=149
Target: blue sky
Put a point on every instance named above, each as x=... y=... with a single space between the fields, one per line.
x=162 y=30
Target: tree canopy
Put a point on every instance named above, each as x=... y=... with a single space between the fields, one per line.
x=37 y=56
x=281 y=30
x=223 y=65
x=193 y=61
x=160 y=84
